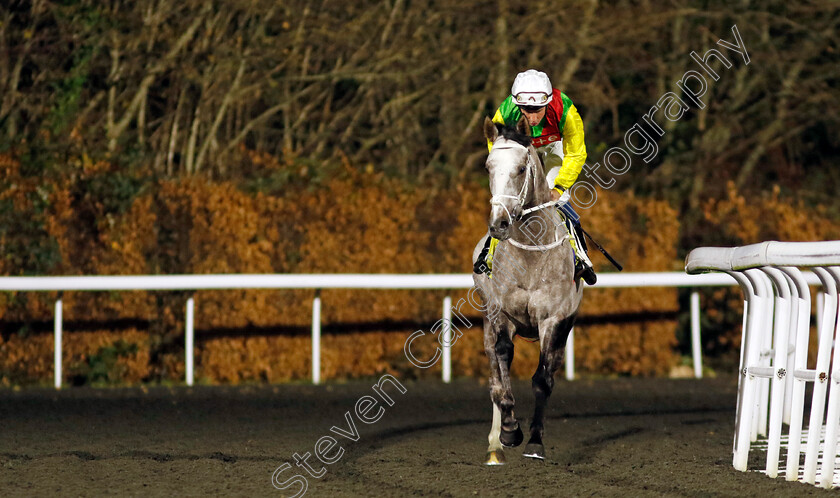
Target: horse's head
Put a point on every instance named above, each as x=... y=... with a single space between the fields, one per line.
x=511 y=164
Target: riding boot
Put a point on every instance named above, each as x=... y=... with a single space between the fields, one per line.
x=582 y=270
x=583 y=266
x=480 y=265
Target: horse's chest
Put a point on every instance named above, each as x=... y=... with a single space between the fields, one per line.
x=528 y=308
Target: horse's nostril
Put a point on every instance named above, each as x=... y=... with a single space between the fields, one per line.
x=503 y=224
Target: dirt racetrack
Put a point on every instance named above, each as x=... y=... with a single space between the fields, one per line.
x=622 y=437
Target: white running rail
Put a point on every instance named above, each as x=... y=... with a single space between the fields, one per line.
x=317 y=282
x=774 y=354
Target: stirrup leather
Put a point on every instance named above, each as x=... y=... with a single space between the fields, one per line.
x=578 y=245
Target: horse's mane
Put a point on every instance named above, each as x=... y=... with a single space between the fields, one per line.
x=511 y=133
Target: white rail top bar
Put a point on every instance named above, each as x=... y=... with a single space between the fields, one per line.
x=764 y=254
x=327 y=281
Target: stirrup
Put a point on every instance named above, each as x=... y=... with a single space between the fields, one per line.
x=582 y=270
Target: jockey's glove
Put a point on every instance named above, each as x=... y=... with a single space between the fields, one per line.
x=565 y=196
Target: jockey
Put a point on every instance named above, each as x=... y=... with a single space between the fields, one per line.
x=554 y=120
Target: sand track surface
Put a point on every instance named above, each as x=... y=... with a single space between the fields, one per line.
x=616 y=437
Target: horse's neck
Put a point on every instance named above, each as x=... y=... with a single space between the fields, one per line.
x=544 y=232
x=540 y=192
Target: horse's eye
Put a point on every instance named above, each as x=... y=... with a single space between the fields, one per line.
x=521 y=170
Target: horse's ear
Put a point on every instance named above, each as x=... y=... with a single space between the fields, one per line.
x=523 y=127
x=491 y=133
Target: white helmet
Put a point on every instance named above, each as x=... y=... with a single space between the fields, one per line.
x=531 y=88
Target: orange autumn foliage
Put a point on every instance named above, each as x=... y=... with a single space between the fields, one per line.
x=352 y=222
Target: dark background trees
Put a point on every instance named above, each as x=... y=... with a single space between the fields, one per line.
x=178 y=88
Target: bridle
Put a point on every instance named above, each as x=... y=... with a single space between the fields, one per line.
x=523 y=192
x=530 y=177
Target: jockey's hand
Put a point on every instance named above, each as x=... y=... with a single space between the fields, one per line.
x=560 y=197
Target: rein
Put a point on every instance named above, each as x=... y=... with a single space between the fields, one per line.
x=520 y=198
x=541 y=206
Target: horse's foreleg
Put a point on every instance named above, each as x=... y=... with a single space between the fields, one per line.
x=511 y=434
x=500 y=393
x=495 y=453
x=552 y=349
x=542 y=383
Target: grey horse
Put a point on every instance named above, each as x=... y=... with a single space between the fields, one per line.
x=531 y=291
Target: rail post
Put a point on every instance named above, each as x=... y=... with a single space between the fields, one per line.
x=820 y=306
x=447 y=338
x=316 y=338
x=57 y=333
x=697 y=360
x=189 y=339
x=570 y=355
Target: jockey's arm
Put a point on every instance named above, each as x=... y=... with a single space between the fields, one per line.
x=574 y=150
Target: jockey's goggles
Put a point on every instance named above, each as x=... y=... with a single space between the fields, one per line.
x=532 y=99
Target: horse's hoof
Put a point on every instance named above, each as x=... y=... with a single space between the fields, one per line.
x=495 y=457
x=510 y=439
x=534 y=450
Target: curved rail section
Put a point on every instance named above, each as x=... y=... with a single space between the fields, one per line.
x=774 y=368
